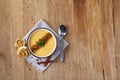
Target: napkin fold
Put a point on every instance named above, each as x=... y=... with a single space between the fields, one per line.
x=34 y=60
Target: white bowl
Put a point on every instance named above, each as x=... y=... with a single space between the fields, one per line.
x=54 y=45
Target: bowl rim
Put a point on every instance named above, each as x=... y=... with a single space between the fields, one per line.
x=50 y=33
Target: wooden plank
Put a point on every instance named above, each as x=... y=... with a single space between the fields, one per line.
x=108 y=41
x=116 y=17
x=28 y=16
x=16 y=29
x=5 y=55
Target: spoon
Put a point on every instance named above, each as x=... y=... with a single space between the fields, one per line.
x=62 y=32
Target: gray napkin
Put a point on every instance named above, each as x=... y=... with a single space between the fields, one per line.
x=32 y=59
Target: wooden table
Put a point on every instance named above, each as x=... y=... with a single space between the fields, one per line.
x=93 y=35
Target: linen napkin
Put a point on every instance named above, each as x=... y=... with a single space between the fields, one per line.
x=34 y=60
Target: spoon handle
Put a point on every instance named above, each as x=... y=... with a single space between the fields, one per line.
x=62 y=56
x=62 y=51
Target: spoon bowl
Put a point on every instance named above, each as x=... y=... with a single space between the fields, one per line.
x=62 y=31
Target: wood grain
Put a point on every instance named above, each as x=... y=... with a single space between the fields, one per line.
x=5 y=45
x=93 y=35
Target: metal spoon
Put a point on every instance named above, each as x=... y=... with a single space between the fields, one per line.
x=62 y=32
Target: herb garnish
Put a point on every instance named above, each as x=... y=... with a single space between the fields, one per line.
x=41 y=42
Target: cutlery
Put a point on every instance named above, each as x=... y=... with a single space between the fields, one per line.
x=62 y=32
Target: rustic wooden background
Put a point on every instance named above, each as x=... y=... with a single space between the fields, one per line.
x=93 y=35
